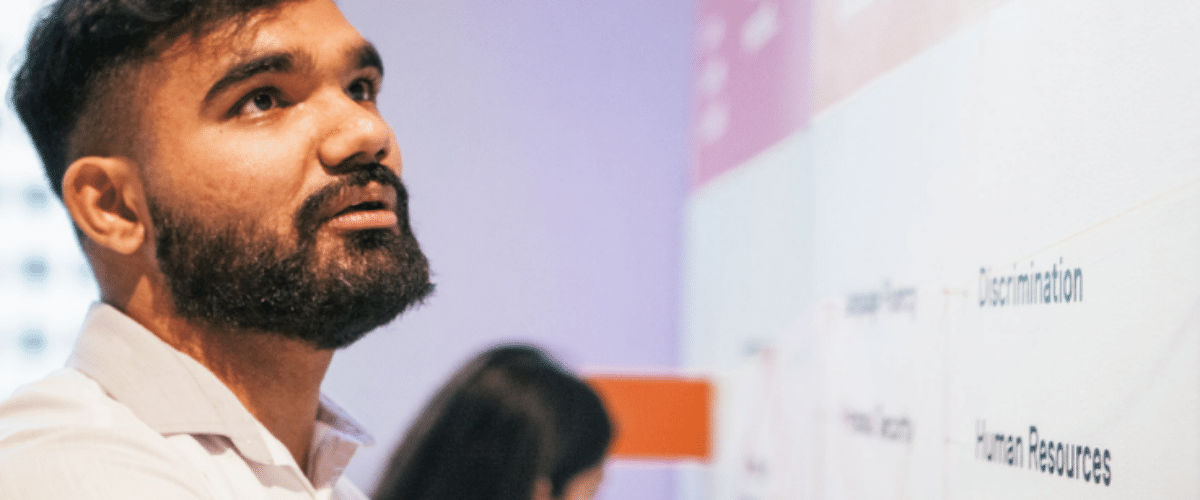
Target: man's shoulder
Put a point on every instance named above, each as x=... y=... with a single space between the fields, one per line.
x=65 y=397
x=64 y=437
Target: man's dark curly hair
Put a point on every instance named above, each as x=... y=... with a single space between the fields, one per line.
x=79 y=52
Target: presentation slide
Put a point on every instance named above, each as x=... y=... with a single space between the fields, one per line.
x=947 y=249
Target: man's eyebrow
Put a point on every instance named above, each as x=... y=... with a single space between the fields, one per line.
x=274 y=62
x=368 y=57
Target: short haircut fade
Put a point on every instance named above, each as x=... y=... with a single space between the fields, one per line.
x=77 y=44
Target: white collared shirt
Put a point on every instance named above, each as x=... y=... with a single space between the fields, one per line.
x=131 y=418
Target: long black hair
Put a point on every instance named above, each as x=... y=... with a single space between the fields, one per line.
x=508 y=417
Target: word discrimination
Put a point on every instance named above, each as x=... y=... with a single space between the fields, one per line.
x=1056 y=285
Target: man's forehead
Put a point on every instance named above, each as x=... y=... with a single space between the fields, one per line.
x=285 y=27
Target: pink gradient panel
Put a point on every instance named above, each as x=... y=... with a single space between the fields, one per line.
x=855 y=41
x=753 y=84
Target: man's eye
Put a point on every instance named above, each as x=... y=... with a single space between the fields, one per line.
x=361 y=90
x=259 y=102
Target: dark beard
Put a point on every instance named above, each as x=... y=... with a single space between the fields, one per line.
x=240 y=276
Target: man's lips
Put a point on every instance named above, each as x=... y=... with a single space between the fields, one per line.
x=357 y=208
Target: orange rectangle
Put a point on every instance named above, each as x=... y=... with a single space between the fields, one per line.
x=658 y=417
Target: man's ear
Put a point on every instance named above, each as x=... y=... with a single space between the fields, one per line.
x=105 y=197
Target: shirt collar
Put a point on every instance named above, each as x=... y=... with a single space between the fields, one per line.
x=175 y=394
x=336 y=439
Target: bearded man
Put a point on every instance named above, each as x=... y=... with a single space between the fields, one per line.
x=237 y=195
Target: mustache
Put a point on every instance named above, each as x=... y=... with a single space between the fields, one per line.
x=308 y=217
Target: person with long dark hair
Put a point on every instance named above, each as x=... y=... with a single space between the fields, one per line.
x=511 y=424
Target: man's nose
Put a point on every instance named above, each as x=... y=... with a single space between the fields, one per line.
x=357 y=135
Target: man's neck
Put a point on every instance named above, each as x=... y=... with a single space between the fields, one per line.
x=277 y=379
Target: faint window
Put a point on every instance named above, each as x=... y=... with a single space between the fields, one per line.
x=36 y=198
x=32 y=342
x=35 y=269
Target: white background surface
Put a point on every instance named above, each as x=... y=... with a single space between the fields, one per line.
x=40 y=315
x=1043 y=130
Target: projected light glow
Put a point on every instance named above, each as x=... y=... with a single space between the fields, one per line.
x=45 y=284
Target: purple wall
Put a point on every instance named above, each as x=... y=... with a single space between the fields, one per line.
x=545 y=150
